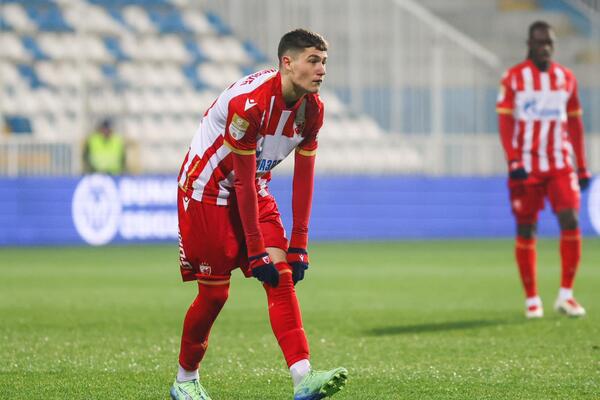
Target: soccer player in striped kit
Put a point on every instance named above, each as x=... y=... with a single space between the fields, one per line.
x=228 y=218
x=540 y=126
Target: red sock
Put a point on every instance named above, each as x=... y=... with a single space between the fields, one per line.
x=198 y=321
x=570 y=254
x=286 y=320
x=526 y=254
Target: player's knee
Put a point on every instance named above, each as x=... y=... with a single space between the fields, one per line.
x=526 y=231
x=216 y=295
x=568 y=220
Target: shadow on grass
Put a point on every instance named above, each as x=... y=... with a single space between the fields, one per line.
x=438 y=327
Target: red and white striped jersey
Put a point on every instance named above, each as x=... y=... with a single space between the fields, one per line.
x=248 y=117
x=540 y=103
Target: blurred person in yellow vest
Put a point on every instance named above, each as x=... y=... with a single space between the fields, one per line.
x=104 y=151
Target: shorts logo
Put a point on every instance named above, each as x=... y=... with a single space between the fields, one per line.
x=183 y=262
x=238 y=127
x=204 y=269
x=186 y=203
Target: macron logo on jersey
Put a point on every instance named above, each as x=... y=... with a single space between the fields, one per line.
x=249 y=104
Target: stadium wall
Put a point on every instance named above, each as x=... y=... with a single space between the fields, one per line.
x=99 y=209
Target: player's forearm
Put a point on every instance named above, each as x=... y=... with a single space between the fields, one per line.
x=575 y=127
x=245 y=171
x=506 y=127
x=304 y=170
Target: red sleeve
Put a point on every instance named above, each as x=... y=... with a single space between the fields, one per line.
x=575 y=126
x=240 y=138
x=309 y=145
x=506 y=122
x=506 y=126
x=245 y=190
x=573 y=104
x=242 y=126
x=505 y=102
x=304 y=171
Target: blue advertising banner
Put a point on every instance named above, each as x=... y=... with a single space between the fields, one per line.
x=98 y=209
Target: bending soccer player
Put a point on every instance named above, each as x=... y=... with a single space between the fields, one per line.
x=228 y=219
x=539 y=118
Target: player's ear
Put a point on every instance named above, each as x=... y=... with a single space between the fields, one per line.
x=286 y=61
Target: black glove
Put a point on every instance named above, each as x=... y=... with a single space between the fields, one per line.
x=263 y=269
x=516 y=170
x=584 y=178
x=298 y=259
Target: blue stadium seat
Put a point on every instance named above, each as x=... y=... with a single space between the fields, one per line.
x=218 y=24
x=29 y=74
x=114 y=47
x=4 y=26
x=168 y=20
x=194 y=50
x=117 y=15
x=48 y=18
x=254 y=52
x=34 y=49
x=191 y=73
x=18 y=124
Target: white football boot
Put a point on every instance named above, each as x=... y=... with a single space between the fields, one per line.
x=569 y=307
x=534 y=311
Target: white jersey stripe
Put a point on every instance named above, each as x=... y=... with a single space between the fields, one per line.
x=213 y=162
x=542 y=148
x=527 y=145
x=224 y=189
x=560 y=76
x=527 y=79
x=558 y=145
x=545 y=81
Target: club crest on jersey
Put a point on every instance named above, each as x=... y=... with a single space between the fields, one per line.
x=238 y=127
x=204 y=269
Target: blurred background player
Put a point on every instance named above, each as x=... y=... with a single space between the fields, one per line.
x=227 y=218
x=540 y=122
x=104 y=150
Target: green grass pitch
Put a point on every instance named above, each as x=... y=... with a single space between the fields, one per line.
x=410 y=320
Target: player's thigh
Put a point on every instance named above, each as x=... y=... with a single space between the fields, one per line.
x=271 y=225
x=563 y=191
x=210 y=240
x=526 y=200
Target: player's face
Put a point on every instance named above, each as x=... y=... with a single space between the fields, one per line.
x=307 y=69
x=541 y=46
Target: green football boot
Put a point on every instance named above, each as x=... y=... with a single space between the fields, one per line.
x=189 y=390
x=321 y=384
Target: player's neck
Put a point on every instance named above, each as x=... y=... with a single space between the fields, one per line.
x=291 y=93
x=541 y=65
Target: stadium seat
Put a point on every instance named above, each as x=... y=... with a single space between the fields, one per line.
x=14 y=49
x=29 y=75
x=18 y=124
x=17 y=18
x=138 y=19
x=34 y=48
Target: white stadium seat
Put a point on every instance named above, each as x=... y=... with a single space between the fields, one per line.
x=16 y=16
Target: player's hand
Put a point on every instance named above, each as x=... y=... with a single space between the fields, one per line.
x=516 y=170
x=264 y=270
x=298 y=259
x=584 y=177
